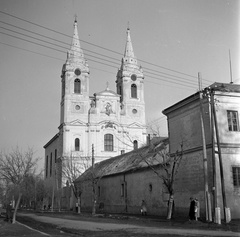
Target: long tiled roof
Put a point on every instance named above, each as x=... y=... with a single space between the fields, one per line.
x=127 y=162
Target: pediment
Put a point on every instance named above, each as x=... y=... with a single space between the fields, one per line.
x=77 y=122
x=135 y=125
x=108 y=124
x=107 y=93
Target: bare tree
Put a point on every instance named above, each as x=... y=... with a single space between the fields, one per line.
x=95 y=179
x=73 y=167
x=169 y=163
x=15 y=167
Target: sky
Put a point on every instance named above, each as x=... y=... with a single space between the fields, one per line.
x=173 y=40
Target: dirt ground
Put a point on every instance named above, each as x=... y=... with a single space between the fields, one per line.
x=8 y=229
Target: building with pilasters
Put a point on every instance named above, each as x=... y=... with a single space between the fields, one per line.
x=107 y=123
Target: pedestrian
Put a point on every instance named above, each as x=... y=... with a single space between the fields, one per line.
x=192 y=209
x=9 y=212
x=196 y=209
x=76 y=206
x=143 y=208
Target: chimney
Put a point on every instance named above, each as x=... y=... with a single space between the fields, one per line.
x=148 y=139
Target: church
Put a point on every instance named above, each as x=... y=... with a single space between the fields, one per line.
x=102 y=125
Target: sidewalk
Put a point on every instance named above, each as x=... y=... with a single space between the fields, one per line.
x=134 y=224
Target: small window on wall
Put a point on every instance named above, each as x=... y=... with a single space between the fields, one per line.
x=133 y=91
x=99 y=191
x=150 y=188
x=46 y=166
x=77 y=86
x=135 y=144
x=122 y=190
x=233 y=122
x=236 y=176
x=108 y=142
x=55 y=155
x=77 y=144
x=51 y=165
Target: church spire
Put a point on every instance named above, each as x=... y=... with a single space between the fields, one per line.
x=129 y=48
x=75 y=54
x=129 y=59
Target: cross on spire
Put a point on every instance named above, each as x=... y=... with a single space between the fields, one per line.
x=128 y=26
x=107 y=85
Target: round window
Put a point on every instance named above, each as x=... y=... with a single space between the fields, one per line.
x=134 y=77
x=77 y=71
x=77 y=107
x=134 y=111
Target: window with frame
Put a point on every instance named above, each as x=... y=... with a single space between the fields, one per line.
x=133 y=91
x=77 y=144
x=150 y=187
x=46 y=166
x=51 y=165
x=55 y=155
x=233 y=122
x=236 y=176
x=77 y=86
x=108 y=142
x=122 y=190
x=99 y=191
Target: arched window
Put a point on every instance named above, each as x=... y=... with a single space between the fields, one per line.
x=133 y=91
x=135 y=144
x=77 y=144
x=108 y=142
x=77 y=86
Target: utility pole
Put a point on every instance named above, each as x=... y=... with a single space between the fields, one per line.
x=93 y=183
x=93 y=159
x=205 y=166
x=220 y=163
x=214 y=188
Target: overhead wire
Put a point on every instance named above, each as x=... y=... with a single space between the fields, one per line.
x=158 y=78
x=68 y=45
x=97 y=45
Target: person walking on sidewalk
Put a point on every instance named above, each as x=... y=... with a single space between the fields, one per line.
x=196 y=209
x=143 y=208
x=192 y=209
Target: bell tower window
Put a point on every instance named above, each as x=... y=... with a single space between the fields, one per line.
x=77 y=144
x=77 y=86
x=133 y=91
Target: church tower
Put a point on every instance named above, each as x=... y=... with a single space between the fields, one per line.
x=130 y=85
x=106 y=124
x=74 y=98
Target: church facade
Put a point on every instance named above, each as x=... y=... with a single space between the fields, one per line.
x=103 y=125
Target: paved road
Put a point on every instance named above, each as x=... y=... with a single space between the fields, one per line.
x=94 y=226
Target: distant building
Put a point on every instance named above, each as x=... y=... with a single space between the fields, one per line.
x=108 y=123
x=185 y=128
